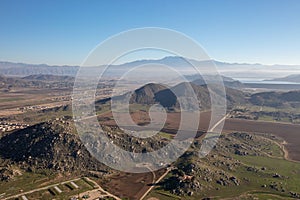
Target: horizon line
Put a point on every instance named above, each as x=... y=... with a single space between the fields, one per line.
x=148 y=59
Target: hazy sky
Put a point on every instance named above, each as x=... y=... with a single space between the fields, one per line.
x=64 y=32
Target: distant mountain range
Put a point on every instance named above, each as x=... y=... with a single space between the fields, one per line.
x=291 y=78
x=21 y=69
x=233 y=70
x=36 y=81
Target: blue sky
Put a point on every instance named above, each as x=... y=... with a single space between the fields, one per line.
x=64 y=32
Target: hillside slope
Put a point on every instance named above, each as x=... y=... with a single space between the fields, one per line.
x=276 y=99
x=184 y=92
x=49 y=145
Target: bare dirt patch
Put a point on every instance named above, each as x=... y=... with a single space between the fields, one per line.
x=129 y=185
x=288 y=132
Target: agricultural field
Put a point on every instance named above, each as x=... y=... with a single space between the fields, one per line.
x=259 y=170
x=39 y=186
x=288 y=132
x=129 y=185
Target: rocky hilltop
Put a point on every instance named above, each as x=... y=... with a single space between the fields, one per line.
x=184 y=92
x=48 y=145
x=55 y=145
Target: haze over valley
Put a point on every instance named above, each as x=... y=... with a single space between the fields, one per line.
x=149 y=100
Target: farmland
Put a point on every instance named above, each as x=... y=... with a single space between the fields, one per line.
x=288 y=132
x=262 y=172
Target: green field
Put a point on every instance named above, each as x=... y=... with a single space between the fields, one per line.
x=32 y=181
x=259 y=182
x=67 y=191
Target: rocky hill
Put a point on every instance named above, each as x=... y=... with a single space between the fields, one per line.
x=169 y=97
x=55 y=145
x=146 y=94
x=228 y=82
x=49 y=145
x=7 y=82
x=276 y=99
x=49 y=77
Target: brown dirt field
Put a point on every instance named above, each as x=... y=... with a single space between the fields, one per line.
x=24 y=97
x=130 y=185
x=288 y=132
x=172 y=122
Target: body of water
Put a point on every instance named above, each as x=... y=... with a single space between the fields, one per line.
x=263 y=81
